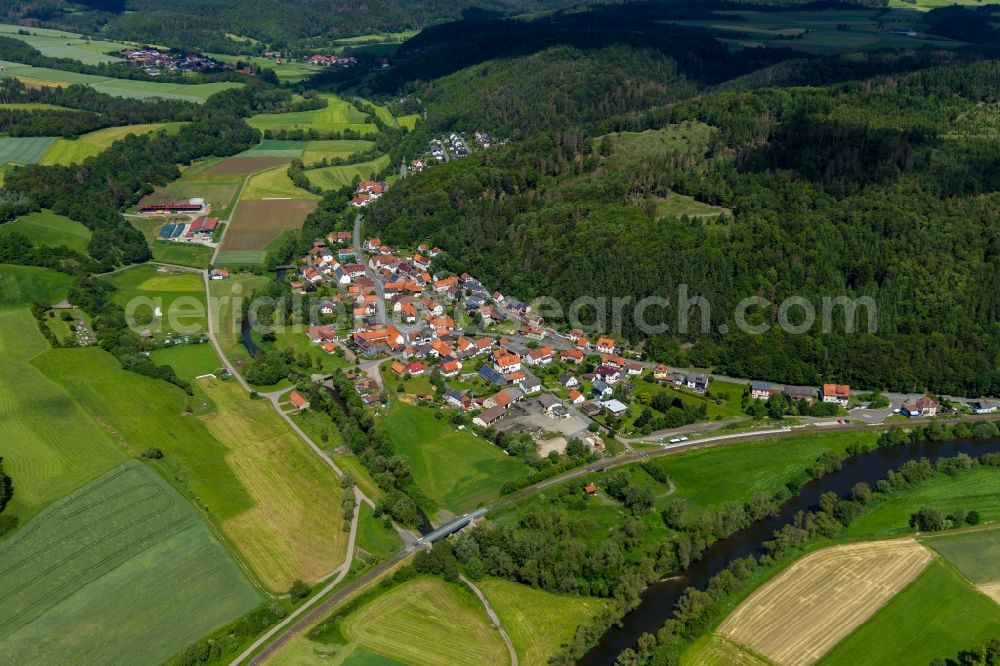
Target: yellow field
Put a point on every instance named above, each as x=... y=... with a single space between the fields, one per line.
x=799 y=616
x=73 y=151
x=992 y=590
x=427 y=622
x=712 y=650
x=294 y=531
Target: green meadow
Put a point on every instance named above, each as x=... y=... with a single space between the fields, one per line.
x=974 y=490
x=315 y=151
x=455 y=470
x=337 y=116
x=180 y=297
x=374 y=538
x=188 y=361
x=60 y=44
x=935 y=617
x=539 y=623
x=122 y=570
x=335 y=177
x=50 y=230
x=975 y=554
x=24 y=285
x=46 y=457
x=73 y=151
x=45 y=76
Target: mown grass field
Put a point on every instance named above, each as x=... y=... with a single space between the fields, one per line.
x=454 y=469
x=294 y=529
x=713 y=649
x=539 y=623
x=273 y=498
x=240 y=258
x=975 y=554
x=335 y=177
x=188 y=361
x=715 y=475
x=73 y=151
x=427 y=622
x=938 y=615
x=138 y=413
x=274 y=184
x=180 y=296
x=45 y=76
x=24 y=149
x=50 y=229
x=315 y=151
x=975 y=490
x=46 y=461
x=24 y=285
x=139 y=576
x=337 y=116
x=729 y=408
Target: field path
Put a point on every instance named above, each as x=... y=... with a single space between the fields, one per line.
x=494 y=618
x=343 y=571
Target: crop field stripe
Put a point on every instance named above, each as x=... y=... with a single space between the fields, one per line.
x=58 y=512
x=804 y=612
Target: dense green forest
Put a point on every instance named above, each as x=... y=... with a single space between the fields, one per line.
x=879 y=180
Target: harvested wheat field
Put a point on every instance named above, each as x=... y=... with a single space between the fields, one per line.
x=257 y=223
x=992 y=590
x=246 y=164
x=798 y=616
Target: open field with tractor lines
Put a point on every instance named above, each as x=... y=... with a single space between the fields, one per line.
x=122 y=570
x=256 y=223
x=802 y=613
x=334 y=177
x=24 y=149
x=294 y=529
x=47 y=462
x=274 y=184
x=426 y=622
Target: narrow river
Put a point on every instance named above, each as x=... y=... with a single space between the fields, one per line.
x=658 y=599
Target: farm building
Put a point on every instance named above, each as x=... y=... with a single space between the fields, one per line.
x=195 y=205
x=298 y=400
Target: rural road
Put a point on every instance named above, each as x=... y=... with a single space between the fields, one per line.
x=493 y=618
x=292 y=630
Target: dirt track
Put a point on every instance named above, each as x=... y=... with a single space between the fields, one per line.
x=800 y=615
